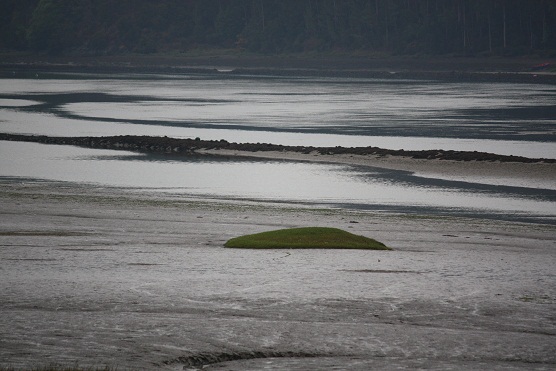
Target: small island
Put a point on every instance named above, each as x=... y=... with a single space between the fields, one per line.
x=305 y=238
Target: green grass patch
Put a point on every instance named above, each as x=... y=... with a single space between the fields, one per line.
x=306 y=238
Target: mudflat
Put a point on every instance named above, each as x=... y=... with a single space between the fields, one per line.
x=136 y=280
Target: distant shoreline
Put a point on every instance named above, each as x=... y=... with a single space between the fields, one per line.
x=453 y=69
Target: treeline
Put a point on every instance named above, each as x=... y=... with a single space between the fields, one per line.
x=458 y=27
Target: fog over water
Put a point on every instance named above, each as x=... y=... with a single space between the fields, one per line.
x=512 y=119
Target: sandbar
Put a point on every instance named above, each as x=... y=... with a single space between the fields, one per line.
x=533 y=175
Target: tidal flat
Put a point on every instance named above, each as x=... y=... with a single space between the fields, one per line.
x=103 y=276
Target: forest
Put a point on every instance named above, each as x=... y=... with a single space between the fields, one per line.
x=401 y=27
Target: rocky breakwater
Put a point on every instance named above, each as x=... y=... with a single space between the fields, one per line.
x=186 y=146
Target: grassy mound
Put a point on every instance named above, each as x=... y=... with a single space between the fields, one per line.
x=306 y=238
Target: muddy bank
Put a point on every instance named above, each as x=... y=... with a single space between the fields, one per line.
x=141 y=281
x=150 y=144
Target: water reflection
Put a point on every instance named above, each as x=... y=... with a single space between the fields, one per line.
x=214 y=177
x=51 y=124
x=514 y=119
x=490 y=117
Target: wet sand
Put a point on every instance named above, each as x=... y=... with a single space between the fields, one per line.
x=101 y=276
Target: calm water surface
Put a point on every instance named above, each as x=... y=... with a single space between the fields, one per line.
x=515 y=119
x=501 y=118
x=275 y=181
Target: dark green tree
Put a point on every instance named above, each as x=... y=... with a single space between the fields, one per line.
x=55 y=25
x=453 y=27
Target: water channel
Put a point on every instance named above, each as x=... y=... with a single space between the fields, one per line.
x=515 y=119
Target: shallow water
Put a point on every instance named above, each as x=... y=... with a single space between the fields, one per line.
x=514 y=119
x=275 y=181
x=94 y=274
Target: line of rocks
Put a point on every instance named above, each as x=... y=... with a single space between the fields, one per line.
x=175 y=146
